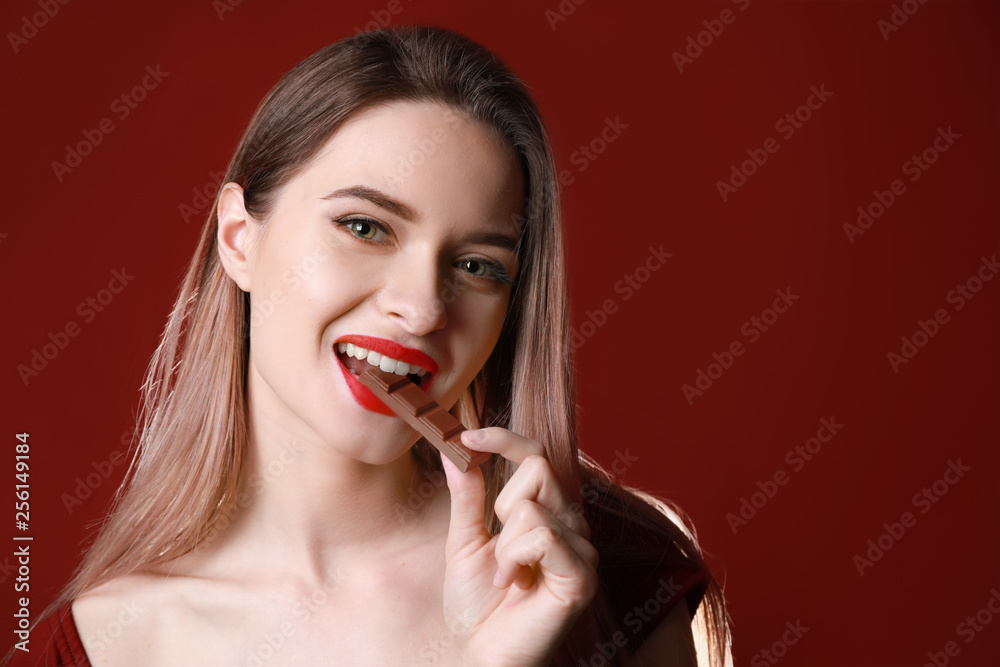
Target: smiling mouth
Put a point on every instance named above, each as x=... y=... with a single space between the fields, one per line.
x=358 y=359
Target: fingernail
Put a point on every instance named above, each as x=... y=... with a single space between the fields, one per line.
x=473 y=436
x=496 y=579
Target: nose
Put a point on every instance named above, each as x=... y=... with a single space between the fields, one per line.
x=413 y=297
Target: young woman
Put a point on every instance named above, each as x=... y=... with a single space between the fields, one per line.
x=393 y=203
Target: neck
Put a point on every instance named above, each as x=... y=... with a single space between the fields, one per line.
x=306 y=509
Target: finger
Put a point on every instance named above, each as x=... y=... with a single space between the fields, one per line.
x=562 y=566
x=534 y=480
x=526 y=518
x=524 y=579
x=467 y=526
x=498 y=440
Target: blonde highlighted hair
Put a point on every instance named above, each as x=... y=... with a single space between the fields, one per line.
x=192 y=436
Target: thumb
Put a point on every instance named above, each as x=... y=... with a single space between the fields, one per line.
x=468 y=501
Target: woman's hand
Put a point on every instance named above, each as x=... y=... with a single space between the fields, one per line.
x=509 y=599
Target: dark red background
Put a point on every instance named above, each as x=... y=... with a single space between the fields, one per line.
x=654 y=185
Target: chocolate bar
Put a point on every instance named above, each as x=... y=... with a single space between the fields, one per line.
x=421 y=412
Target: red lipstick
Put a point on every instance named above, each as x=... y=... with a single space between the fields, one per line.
x=362 y=394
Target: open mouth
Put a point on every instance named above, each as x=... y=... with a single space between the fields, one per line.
x=358 y=359
x=356 y=355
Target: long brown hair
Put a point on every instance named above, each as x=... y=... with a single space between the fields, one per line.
x=192 y=435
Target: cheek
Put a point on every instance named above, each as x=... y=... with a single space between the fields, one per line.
x=335 y=279
x=480 y=319
x=322 y=274
x=293 y=280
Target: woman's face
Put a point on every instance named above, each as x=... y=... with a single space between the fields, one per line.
x=398 y=239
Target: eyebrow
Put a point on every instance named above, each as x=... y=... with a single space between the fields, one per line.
x=400 y=209
x=490 y=238
x=376 y=197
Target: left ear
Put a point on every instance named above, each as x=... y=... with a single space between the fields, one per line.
x=233 y=236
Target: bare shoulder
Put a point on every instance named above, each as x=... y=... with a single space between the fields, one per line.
x=671 y=644
x=118 y=620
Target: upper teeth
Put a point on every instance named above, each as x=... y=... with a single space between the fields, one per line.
x=387 y=364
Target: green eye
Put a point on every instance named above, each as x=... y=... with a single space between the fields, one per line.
x=363 y=229
x=475 y=268
x=485 y=270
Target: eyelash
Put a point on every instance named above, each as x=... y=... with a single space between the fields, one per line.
x=499 y=273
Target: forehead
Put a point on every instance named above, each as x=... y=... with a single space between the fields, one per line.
x=428 y=155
